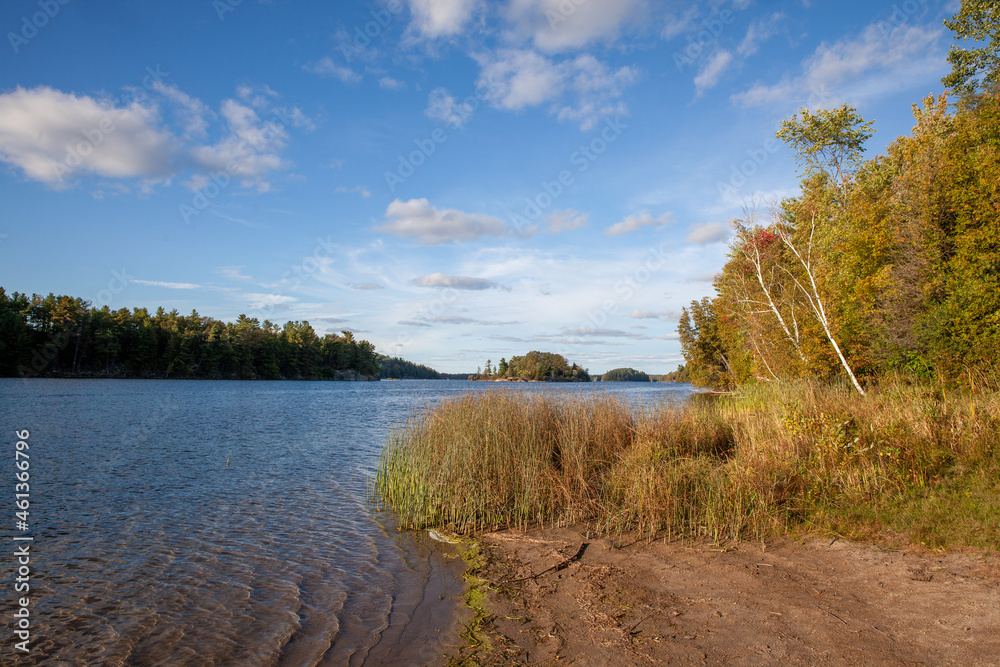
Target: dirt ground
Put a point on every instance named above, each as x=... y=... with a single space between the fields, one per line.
x=789 y=603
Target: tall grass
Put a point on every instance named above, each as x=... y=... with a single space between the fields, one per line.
x=772 y=458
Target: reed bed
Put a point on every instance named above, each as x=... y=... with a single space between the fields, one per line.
x=904 y=459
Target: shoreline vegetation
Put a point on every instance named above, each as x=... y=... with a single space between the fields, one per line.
x=64 y=336
x=909 y=460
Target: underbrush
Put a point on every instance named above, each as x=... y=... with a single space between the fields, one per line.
x=906 y=460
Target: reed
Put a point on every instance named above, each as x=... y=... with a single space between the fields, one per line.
x=904 y=459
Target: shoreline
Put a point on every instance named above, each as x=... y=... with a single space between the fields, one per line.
x=558 y=594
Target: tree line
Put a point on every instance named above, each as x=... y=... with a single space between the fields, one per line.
x=64 y=336
x=882 y=265
x=535 y=365
x=401 y=369
x=625 y=375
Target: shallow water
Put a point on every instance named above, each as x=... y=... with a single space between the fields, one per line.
x=210 y=522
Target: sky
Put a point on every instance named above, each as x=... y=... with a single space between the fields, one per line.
x=453 y=180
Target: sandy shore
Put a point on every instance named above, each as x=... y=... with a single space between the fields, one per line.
x=820 y=602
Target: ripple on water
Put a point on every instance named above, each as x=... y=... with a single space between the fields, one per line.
x=197 y=523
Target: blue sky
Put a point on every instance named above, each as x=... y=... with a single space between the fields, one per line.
x=454 y=180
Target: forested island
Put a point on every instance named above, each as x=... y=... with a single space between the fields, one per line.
x=59 y=336
x=625 y=375
x=394 y=368
x=533 y=367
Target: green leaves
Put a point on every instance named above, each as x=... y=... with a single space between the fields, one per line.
x=978 y=21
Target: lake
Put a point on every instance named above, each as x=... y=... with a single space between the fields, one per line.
x=194 y=522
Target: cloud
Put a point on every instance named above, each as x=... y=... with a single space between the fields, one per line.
x=759 y=31
x=157 y=283
x=565 y=221
x=388 y=83
x=443 y=107
x=416 y=219
x=194 y=113
x=518 y=79
x=860 y=68
x=359 y=189
x=713 y=70
x=326 y=67
x=367 y=286
x=468 y=320
x=233 y=273
x=655 y=315
x=441 y=18
x=676 y=25
x=595 y=332
x=561 y=25
x=51 y=135
x=413 y=323
x=454 y=282
x=262 y=301
x=703 y=233
x=705 y=277
x=251 y=149
x=637 y=221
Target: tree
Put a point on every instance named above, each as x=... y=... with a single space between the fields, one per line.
x=829 y=142
x=810 y=289
x=979 y=21
x=702 y=345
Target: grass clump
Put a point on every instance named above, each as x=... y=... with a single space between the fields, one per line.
x=904 y=459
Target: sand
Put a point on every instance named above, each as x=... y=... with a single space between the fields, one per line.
x=822 y=601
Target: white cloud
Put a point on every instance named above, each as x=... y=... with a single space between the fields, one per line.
x=233 y=273
x=443 y=107
x=388 y=83
x=758 y=32
x=655 y=314
x=703 y=233
x=455 y=282
x=367 y=286
x=358 y=189
x=604 y=333
x=713 y=70
x=51 y=135
x=560 y=25
x=194 y=113
x=252 y=147
x=676 y=25
x=417 y=219
x=262 y=301
x=158 y=283
x=565 y=221
x=441 y=18
x=518 y=79
x=326 y=67
x=859 y=69
x=637 y=221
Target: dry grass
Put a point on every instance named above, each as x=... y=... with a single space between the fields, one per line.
x=912 y=460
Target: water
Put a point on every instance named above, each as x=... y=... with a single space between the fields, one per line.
x=209 y=522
